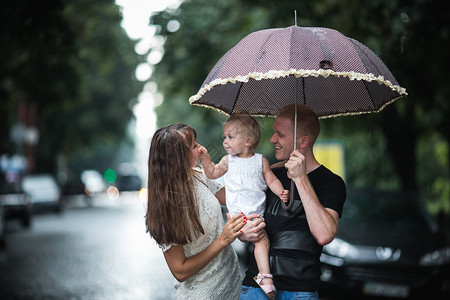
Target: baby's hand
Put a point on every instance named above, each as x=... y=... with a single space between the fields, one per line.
x=284 y=196
x=202 y=151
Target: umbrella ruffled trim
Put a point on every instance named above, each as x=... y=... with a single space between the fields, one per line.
x=273 y=74
x=355 y=113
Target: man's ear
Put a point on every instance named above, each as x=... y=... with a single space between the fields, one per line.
x=304 y=141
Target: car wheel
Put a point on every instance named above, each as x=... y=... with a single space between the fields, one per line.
x=2 y=241
x=26 y=220
x=88 y=200
x=59 y=207
x=2 y=231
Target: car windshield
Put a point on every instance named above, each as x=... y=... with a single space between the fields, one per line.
x=389 y=210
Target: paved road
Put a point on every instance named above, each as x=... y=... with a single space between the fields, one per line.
x=101 y=252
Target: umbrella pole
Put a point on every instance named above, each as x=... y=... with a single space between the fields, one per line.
x=292 y=189
x=295 y=127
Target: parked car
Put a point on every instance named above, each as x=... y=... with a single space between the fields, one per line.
x=43 y=190
x=15 y=203
x=128 y=183
x=93 y=182
x=2 y=227
x=387 y=245
x=89 y=185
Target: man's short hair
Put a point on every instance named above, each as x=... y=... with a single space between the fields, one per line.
x=307 y=121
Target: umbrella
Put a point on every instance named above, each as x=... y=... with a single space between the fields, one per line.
x=320 y=67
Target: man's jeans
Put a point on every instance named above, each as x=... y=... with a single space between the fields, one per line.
x=251 y=293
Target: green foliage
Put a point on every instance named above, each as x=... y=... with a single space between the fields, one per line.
x=434 y=154
x=363 y=147
x=73 y=61
x=384 y=150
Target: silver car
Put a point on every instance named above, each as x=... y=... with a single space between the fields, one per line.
x=43 y=190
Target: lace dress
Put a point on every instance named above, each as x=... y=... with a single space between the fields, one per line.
x=221 y=278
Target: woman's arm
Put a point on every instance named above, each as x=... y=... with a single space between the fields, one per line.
x=183 y=267
x=220 y=195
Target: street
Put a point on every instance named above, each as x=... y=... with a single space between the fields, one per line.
x=99 y=252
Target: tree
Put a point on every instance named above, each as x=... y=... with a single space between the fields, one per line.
x=74 y=63
x=398 y=31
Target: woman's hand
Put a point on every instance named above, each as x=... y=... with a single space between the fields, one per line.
x=232 y=228
x=253 y=232
x=183 y=267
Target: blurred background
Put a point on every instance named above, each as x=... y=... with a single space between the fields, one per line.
x=84 y=84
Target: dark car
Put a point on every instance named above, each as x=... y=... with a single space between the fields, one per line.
x=2 y=228
x=387 y=245
x=15 y=202
x=89 y=185
x=128 y=183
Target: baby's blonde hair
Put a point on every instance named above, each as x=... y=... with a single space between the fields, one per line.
x=249 y=127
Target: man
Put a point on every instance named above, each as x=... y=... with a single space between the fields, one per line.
x=298 y=235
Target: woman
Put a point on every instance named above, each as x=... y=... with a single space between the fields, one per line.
x=185 y=218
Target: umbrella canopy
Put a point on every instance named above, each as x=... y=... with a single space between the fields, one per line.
x=320 y=67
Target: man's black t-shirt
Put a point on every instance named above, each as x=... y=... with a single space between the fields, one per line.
x=294 y=252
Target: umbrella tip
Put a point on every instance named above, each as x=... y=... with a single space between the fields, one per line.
x=295 y=17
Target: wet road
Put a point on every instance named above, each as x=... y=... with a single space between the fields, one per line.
x=101 y=252
x=98 y=252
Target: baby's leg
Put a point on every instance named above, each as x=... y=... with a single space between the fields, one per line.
x=261 y=253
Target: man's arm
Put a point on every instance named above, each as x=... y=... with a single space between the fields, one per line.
x=323 y=222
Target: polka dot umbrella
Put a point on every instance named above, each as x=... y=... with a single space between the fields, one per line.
x=320 y=67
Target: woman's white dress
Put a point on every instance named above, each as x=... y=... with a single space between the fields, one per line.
x=221 y=278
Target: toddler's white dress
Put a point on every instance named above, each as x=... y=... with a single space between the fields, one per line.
x=245 y=185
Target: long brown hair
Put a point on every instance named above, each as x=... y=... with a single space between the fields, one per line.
x=172 y=209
